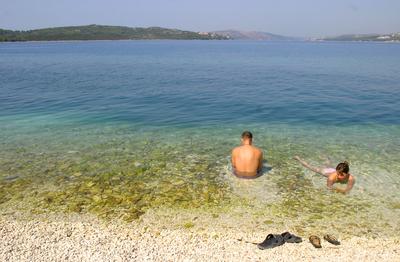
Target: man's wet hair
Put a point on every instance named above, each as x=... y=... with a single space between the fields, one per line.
x=247 y=134
x=343 y=167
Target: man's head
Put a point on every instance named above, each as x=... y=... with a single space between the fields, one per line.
x=247 y=136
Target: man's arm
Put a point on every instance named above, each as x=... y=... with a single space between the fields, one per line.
x=305 y=164
x=260 y=162
x=233 y=159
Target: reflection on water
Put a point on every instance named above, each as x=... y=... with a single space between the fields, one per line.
x=122 y=171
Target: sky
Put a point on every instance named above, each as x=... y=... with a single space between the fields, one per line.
x=301 y=18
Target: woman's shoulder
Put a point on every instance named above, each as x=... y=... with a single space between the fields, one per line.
x=332 y=176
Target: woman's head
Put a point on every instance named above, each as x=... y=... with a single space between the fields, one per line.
x=343 y=168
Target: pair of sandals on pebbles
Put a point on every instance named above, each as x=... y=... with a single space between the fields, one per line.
x=316 y=241
x=275 y=240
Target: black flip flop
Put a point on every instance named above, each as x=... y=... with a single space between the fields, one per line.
x=290 y=238
x=271 y=241
x=331 y=239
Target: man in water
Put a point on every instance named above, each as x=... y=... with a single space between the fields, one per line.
x=247 y=159
x=340 y=174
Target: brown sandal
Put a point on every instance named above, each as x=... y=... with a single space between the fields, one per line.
x=331 y=239
x=315 y=241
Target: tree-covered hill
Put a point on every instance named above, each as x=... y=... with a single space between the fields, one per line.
x=102 y=32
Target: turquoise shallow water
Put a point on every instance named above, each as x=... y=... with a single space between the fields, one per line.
x=117 y=128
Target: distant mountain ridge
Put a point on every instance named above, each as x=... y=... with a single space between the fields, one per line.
x=104 y=32
x=394 y=37
x=253 y=35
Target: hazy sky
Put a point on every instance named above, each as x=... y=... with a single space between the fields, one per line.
x=310 y=18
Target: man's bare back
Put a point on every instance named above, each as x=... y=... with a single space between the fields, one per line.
x=247 y=159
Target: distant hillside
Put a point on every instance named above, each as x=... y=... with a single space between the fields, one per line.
x=365 y=37
x=102 y=32
x=252 y=35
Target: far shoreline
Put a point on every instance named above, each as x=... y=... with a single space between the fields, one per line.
x=199 y=40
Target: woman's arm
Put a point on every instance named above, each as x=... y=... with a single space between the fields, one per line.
x=349 y=186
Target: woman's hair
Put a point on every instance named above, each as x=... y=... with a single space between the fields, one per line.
x=343 y=167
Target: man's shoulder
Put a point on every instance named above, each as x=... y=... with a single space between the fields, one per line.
x=258 y=149
x=235 y=149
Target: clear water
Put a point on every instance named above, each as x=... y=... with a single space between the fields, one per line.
x=118 y=127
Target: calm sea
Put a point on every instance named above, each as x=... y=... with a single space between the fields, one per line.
x=119 y=127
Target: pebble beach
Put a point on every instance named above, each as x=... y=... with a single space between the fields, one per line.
x=87 y=238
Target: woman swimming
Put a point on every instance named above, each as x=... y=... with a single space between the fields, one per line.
x=339 y=175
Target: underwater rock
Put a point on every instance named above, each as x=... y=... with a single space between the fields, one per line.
x=188 y=225
x=10 y=178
